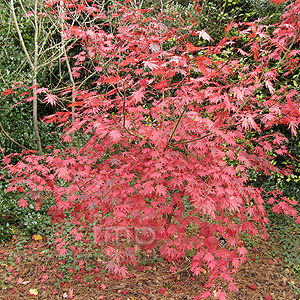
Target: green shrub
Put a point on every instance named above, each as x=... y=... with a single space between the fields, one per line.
x=27 y=219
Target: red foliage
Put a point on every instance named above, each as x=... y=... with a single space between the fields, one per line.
x=171 y=138
x=278 y=1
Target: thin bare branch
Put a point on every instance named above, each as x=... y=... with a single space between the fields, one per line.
x=20 y=34
x=34 y=68
x=11 y=139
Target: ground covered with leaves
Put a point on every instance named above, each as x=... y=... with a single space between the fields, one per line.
x=34 y=271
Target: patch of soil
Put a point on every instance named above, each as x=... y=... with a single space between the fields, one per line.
x=35 y=272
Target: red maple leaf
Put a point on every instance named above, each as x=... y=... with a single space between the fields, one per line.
x=23 y=203
x=123 y=272
x=208 y=257
x=293 y=126
x=127 y=61
x=110 y=266
x=20 y=280
x=138 y=95
x=115 y=135
x=71 y=293
x=77 y=235
x=112 y=79
x=204 y=295
x=41 y=90
x=161 y=85
x=50 y=99
x=63 y=205
x=62 y=251
x=63 y=173
x=242 y=251
x=221 y=295
x=148 y=188
x=229 y=26
x=232 y=287
x=191 y=48
x=152 y=65
x=161 y=190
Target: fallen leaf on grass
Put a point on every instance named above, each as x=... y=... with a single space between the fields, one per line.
x=44 y=277
x=4 y=265
x=70 y=294
x=273 y=262
x=37 y=237
x=20 y=280
x=284 y=279
x=33 y=292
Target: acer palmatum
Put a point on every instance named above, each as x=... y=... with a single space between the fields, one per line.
x=173 y=127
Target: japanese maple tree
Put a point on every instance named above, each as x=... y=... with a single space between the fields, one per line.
x=173 y=126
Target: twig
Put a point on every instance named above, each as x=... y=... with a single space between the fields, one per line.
x=289 y=50
x=225 y=128
x=19 y=34
x=11 y=139
x=62 y=24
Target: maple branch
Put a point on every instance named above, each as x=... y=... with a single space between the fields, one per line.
x=86 y=79
x=85 y=184
x=177 y=124
x=11 y=139
x=139 y=136
x=240 y=108
x=225 y=128
x=123 y=123
x=289 y=50
x=193 y=140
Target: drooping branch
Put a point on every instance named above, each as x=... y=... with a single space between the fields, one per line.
x=11 y=139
